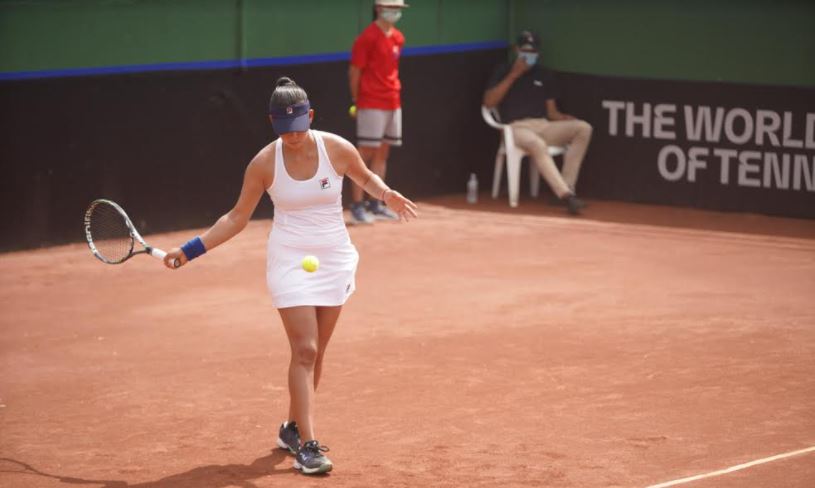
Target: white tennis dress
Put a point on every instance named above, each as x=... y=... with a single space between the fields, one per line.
x=308 y=220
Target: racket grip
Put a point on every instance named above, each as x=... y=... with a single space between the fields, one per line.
x=159 y=254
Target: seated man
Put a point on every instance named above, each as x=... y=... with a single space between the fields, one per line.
x=525 y=94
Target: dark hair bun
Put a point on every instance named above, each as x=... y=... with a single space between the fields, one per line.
x=286 y=93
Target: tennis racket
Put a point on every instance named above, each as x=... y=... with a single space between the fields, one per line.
x=111 y=235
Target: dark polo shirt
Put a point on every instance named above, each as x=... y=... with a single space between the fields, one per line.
x=526 y=97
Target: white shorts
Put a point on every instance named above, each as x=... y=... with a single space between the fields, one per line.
x=292 y=286
x=375 y=126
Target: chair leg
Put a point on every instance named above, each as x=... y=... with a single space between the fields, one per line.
x=499 y=169
x=514 y=175
x=534 y=179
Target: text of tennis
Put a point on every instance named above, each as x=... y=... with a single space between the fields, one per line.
x=791 y=167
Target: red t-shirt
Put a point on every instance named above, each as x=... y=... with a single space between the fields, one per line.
x=377 y=57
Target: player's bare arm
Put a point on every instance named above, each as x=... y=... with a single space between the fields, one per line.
x=256 y=179
x=347 y=161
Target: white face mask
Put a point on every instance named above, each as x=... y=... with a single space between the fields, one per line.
x=391 y=15
x=529 y=58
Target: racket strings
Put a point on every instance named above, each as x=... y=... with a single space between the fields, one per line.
x=110 y=233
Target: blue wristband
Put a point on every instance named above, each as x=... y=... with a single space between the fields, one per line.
x=193 y=248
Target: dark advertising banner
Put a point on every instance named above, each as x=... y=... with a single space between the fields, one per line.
x=171 y=147
x=710 y=145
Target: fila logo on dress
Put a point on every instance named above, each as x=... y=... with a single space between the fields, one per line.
x=325 y=184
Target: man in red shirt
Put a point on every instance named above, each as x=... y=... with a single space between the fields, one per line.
x=375 y=92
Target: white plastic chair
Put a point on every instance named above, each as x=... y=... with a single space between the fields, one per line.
x=514 y=155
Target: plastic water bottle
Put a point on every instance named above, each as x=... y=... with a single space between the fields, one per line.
x=472 y=189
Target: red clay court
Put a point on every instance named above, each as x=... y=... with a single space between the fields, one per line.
x=485 y=346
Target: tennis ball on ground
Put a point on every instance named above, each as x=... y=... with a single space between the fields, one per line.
x=352 y=111
x=311 y=263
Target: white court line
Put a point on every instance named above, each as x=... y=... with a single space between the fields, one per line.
x=733 y=468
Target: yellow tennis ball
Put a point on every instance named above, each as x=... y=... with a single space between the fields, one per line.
x=311 y=263
x=352 y=111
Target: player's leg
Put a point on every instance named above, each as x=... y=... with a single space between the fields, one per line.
x=326 y=322
x=575 y=135
x=303 y=332
x=392 y=137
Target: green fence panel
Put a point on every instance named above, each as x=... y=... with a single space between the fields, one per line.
x=59 y=34
x=472 y=20
x=750 y=41
x=56 y=34
x=299 y=28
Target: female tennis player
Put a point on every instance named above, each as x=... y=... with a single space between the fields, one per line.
x=303 y=173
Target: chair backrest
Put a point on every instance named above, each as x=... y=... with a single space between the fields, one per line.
x=491 y=117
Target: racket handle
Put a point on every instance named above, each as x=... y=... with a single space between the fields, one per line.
x=159 y=254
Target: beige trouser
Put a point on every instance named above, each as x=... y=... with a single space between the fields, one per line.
x=536 y=135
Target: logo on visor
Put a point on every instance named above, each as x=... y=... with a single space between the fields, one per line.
x=325 y=184
x=289 y=110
